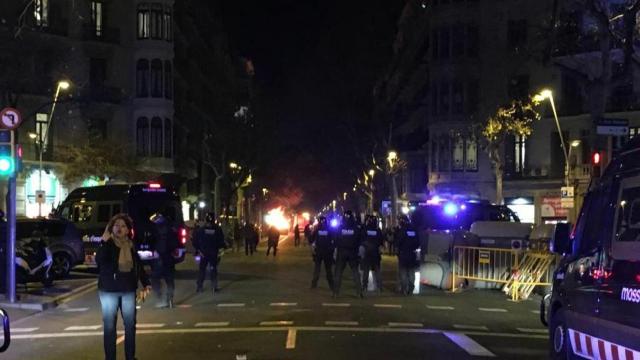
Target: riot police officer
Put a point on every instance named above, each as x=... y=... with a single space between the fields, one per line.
x=322 y=246
x=372 y=240
x=208 y=241
x=347 y=244
x=166 y=243
x=407 y=243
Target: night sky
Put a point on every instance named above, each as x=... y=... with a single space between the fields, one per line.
x=316 y=64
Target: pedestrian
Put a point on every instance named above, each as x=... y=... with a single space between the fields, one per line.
x=307 y=234
x=322 y=246
x=247 y=234
x=209 y=243
x=255 y=237
x=296 y=236
x=237 y=236
x=273 y=237
x=347 y=244
x=120 y=269
x=372 y=241
x=408 y=243
x=166 y=245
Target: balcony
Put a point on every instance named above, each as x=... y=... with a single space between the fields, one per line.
x=102 y=93
x=103 y=34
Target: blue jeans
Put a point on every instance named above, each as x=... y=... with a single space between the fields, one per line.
x=126 y=302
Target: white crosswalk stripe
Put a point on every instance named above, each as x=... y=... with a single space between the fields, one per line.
x=341 y=323
x=149 y=326
x=212 y=324
x=437 y=307
x=82 y=328
x=276 y=323
x=470 y=327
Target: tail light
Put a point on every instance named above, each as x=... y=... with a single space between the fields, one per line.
x=154 y=185
x=183 y=236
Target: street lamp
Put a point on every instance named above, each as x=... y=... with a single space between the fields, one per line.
x=548 y=94
x=62 y=85
x=372 y=172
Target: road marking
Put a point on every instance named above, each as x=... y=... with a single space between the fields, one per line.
x=401 y=324
x=80 y=291
x=492 y=309
x=81 y=328
x=120 y=339
x=388 y=306
x=468 y=344
x=24 y=330
x=283 y=304
x=533 y=331
x=76 y=309
x=231 y=305
x=275 y=323
x=184 y=306
x=341 y=323
x=149 y=326
x=204 y=330
x=536 y=311
x=212 y=324
x=434 y=307
x=471 y=327
x=336 y=304
x=291 y=339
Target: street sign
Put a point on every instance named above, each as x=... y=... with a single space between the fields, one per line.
x=40 y=197
x=613 y=127
x=10 y=118
x=566 y=200
x=484 y=257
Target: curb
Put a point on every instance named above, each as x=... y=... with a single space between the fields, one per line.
x=47 y=303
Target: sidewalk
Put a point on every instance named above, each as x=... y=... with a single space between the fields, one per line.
x=35 y=297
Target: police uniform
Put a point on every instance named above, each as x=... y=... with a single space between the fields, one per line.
x=323 y=246
x=208 y=240
x=407 y=243
x=347 y=244
x=372 y=240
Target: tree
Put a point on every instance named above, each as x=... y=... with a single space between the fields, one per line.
x=514 y=119
x=97 y=157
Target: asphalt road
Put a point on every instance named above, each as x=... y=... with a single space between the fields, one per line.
x=267 y=311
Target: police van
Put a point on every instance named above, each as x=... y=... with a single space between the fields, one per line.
x=593 y=310
x=91 y=208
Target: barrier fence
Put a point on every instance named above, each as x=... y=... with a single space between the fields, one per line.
x=519 y=271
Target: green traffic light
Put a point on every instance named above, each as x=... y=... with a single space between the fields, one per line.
x=6 y=165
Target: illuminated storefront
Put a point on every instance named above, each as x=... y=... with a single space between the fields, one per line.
x=54 y=193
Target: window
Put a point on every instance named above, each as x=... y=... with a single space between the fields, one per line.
x=97 y=72
x=168 y=80
x=41 y=12
x=143 y=21
x=471 y=98
x=458 y=154
x=116 y=209
x=104 y=213
x=516 y=34
x=457 y=98
x=434 y=100
x=458 y=39
x=168 y=139
x=520 y=153
x=633 y=131
x=443 y=153
x=156 y=78
x=142 y=78
x=445 y=42
x=168 y=25
x=434 y=44
x=41 y=128
x=155 y=25
x=627 y=226
x=472 y=40
x=518 y=88
x=82 y=213
x=142 y=136
x=156 y=137
x=97 y=18
x=434 y=155
x=471 y=155
x=444 y=98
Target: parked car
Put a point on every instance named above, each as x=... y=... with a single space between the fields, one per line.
x=62 y=239
x=33 y=258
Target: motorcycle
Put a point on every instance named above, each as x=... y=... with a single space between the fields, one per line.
x=33 y=261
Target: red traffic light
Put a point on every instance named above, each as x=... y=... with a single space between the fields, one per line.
x=595 y=158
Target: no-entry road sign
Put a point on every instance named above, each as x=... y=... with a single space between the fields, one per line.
x=10 y=118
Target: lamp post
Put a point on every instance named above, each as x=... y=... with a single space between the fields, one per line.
x=548 y=94
x=392 y=158
x=62 y=85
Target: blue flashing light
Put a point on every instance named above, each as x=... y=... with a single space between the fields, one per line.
x=334 y=223
x=463 y=207
x=450 y=209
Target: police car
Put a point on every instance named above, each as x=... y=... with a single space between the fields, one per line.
x=593 y=311
x=91 y=208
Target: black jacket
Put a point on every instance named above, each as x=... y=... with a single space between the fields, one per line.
x=110 y=279
x=322 y=239
x=372 y=240
x=348 y=239
x=407 y=242
x=209 y=240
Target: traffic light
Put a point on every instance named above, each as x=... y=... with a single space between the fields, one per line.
x=596 y=164
x=7 y=162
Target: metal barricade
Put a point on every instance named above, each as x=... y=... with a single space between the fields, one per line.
x=519 y=271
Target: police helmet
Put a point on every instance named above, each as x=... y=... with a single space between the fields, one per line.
x=210 y=217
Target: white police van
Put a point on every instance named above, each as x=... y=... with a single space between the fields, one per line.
x=593 y=311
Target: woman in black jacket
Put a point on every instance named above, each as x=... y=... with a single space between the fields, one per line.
x=120 y=269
